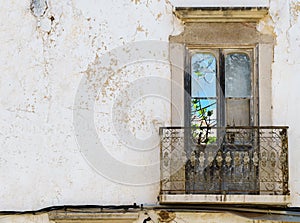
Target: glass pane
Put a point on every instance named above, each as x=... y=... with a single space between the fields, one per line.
x=204 y=113
x=238 y=112
x=203 y=75
x=237 y=75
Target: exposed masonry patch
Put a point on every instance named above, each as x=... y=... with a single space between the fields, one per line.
x=38 y=7
x=165 y=216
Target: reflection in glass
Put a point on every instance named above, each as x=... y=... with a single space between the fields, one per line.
x=204 y=112
x=238 y=75
x=238 y=112
x=203 y=75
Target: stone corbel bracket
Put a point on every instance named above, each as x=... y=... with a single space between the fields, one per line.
x=223 y=14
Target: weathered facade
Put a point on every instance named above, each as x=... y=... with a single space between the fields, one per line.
x=96 y=117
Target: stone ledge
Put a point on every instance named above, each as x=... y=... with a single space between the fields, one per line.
x=225 y=199
x=92 y=216
x=221 y=14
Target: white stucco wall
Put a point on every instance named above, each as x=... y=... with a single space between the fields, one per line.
x=42 y=63
x=285 y=79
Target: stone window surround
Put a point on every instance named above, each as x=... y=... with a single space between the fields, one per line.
x=221 y=31
x=222 y=28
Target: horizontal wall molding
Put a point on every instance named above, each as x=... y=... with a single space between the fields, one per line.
x=91 y=215
x=220 y=3
x=221 y=14
x=225 y=199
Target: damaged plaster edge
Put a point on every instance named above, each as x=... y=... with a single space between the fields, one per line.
x=177 y=24
x=267 y=26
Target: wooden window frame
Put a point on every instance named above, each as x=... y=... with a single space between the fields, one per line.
x=220 y=52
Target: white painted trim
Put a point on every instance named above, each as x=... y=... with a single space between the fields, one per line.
x=224 y=199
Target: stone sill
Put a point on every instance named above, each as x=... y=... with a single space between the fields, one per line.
x=224 y=199
x=220 y=14
x=91 y=216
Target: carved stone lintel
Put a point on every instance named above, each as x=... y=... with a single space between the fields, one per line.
x=221 y=14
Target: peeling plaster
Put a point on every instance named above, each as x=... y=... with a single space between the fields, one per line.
x=53 y=50
x=295 y=10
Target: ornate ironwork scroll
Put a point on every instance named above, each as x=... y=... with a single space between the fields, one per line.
x=232 y=160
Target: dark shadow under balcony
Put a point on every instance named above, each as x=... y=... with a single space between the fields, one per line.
x=231 y=165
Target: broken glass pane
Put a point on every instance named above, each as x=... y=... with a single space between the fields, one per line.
x=203 y=75
x=238 y=75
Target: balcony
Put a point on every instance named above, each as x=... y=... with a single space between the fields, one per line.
x=232 y=165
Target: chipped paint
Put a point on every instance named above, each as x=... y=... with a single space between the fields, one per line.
x=295 y=11
x=52 y=54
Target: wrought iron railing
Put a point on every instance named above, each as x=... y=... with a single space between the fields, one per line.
x=231 y=160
